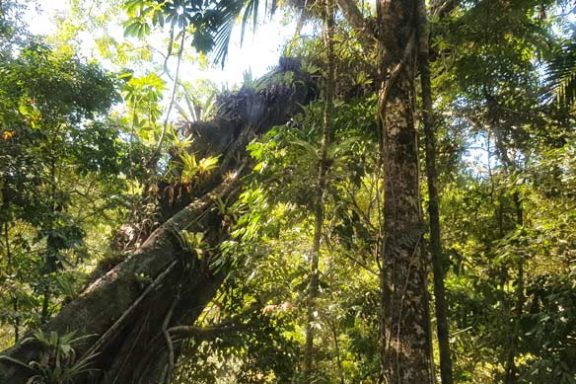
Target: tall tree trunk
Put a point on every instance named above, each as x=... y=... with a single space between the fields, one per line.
x=321 y=191
x=405 y=330
x=440 y=306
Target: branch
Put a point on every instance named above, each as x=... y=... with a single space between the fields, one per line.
x=441 y=10
x=203 y=333
x=353 y=15
x=172 y=97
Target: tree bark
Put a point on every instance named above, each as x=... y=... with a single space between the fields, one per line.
x=440 y=306
x=405 y=329
x=127 y=312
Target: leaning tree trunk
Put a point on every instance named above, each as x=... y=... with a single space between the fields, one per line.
x=405 y=332
x=129 y=312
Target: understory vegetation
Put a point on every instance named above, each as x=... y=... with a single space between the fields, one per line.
x=241 y=234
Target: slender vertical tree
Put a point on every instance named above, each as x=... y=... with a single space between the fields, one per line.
x=321 y=188
x=436 y=253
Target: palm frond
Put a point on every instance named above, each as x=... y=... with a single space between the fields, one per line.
x=232 y=10
x=561 y=76
x=251 y=8
x=222 y=41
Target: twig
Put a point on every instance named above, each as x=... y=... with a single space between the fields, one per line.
x=172 y=99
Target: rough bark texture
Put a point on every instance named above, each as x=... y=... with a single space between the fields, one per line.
x=163 y=284
x=405 y=325
x=440 y=306
x=406 y=354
